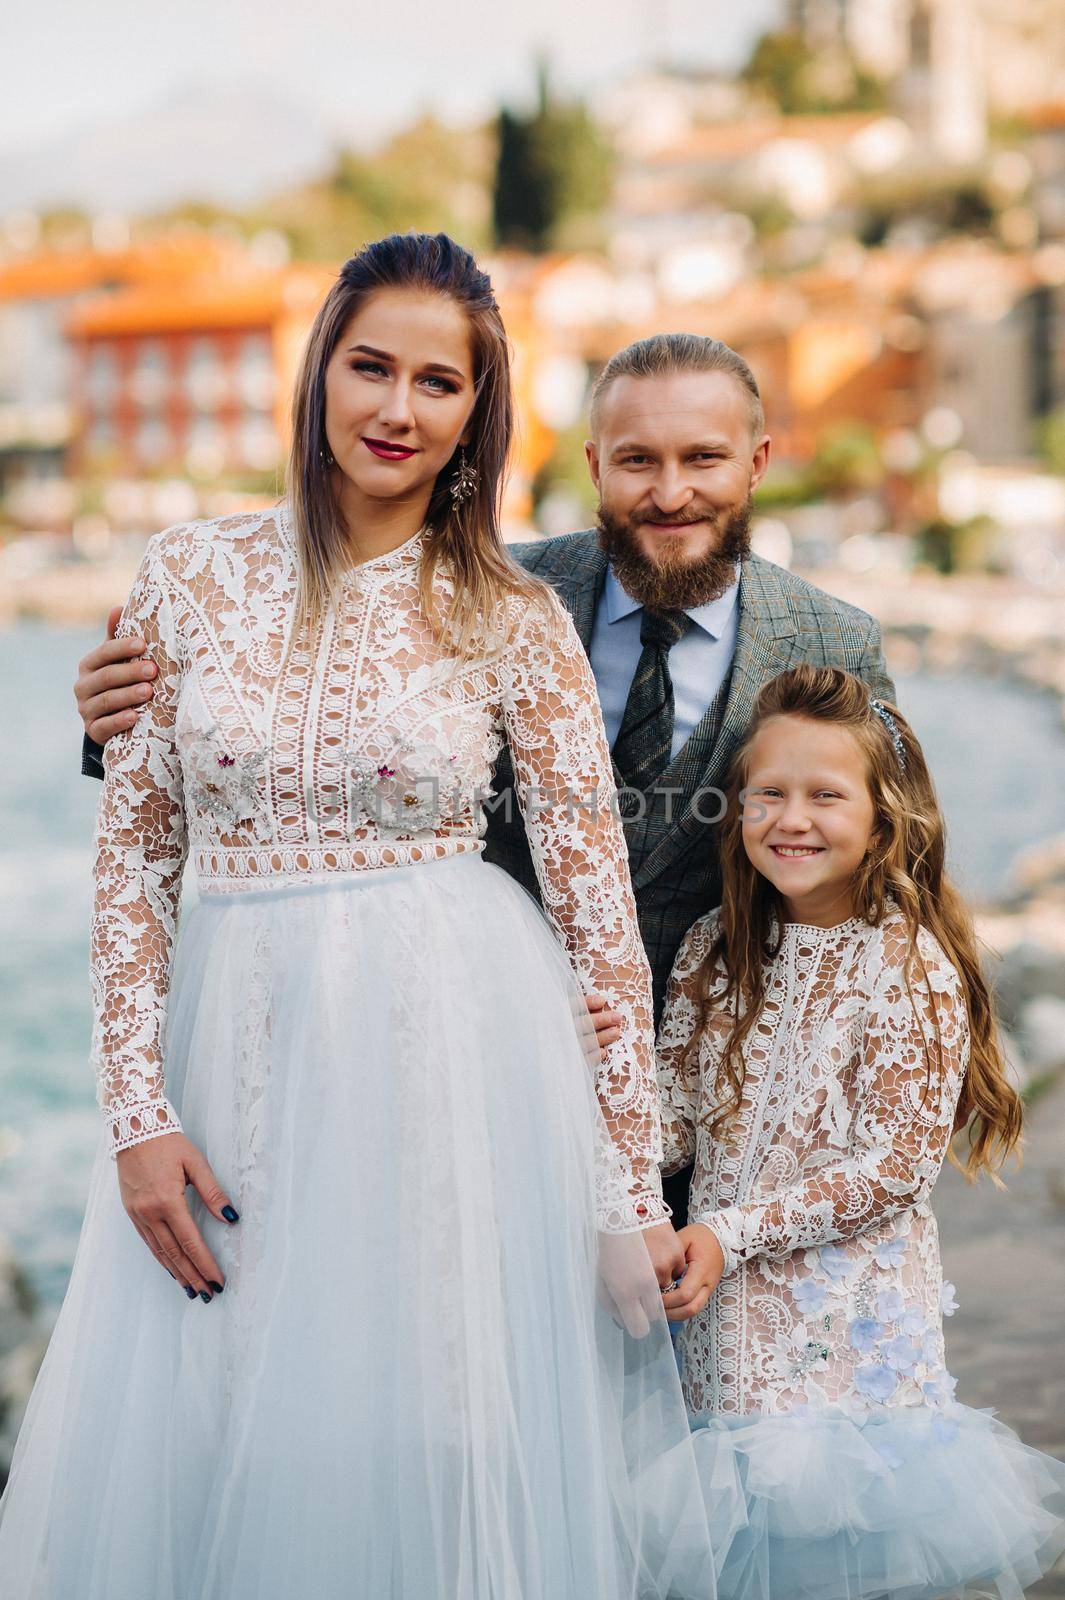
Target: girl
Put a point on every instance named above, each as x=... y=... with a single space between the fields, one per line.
x=824 y=1034
x=392 y=1377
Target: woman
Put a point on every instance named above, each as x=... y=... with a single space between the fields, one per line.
x=431 y=1358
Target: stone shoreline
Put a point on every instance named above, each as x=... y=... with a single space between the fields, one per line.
x=966 y=623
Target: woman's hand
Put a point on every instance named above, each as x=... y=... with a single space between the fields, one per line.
x=114 y=682
x=606 y=1023
x=702 y=1273
x=152 y=1177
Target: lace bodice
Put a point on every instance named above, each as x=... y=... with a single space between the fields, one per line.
x=819 y=1192
x=371 y=747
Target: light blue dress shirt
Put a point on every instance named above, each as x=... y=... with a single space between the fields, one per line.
x=698 y=663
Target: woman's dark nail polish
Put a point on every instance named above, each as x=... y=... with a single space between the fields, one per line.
x=230 y=1215
x=205 y=1297
x=190 y=1291
x=217 y=1287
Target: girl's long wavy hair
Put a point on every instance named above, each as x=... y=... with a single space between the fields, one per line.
x=467 y=539
x=903 y=869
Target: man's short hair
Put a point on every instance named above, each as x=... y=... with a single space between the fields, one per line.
x=677 y=352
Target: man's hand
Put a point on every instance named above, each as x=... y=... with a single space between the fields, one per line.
x=606 y=1023
x=704 y=1264
x=114 y=683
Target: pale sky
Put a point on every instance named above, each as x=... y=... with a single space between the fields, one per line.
x=365 y=64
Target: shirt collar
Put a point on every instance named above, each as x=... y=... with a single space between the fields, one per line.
x=711 y=618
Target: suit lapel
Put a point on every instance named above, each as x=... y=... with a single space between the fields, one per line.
x=581 y=587
x=580 y=591
x=764 y=646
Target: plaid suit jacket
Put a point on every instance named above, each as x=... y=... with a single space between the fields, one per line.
x=673 y=851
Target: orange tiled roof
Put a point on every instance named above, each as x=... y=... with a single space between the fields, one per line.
x=1046 y=117
x=726 y=141
x=53 y=273
x=252 y=299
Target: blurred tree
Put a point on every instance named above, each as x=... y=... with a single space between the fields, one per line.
x=429 y=177
x=1051 y=435
x=553 y=174
x=65 y=228
x=970 y=546
x=847 y=461
x=524 y=198
x=203 y=214
x=800 y=80
x=567 y=469
x=936 y=201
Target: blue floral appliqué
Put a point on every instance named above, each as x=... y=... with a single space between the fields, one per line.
x=944 y=1429
x=809 y=1297
x=865 y=1334
x=901 y=1353
x=875 y=1382
x=836 y=1262
x=940 y=1389
x=890 y=1305
x=914 y=1322
x=891 y=1253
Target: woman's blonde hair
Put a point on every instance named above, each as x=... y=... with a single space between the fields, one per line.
x=467 y=538
x=903 y=869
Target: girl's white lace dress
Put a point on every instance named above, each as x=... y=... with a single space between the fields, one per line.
x=817 y=1368
x=412 y=1387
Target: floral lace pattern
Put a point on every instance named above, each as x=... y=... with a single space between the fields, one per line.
x=819 y=1190
x=365 y=747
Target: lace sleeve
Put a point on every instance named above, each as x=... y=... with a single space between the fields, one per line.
x=902 y=1120
x=565 y=785
x=140 y=852
x=679 y=1080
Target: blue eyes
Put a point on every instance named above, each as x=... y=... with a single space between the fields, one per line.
x=375 y=367
x=639 y=461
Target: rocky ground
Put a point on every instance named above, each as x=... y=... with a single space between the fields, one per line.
x=1005 y=1254
x=22 y=1342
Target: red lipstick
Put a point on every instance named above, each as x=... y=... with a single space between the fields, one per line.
x=388 y=452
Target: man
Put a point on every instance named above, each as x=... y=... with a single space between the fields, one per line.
x=682 y=623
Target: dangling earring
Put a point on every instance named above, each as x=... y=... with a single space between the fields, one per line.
x=326 y=456
x=465 y=481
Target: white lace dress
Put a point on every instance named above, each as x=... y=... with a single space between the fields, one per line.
x=818 y=1365
x=409 y=1388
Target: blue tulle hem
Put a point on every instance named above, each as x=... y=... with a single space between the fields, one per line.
x=911 y=1503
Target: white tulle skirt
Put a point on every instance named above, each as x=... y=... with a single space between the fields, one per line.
x=411 y=1388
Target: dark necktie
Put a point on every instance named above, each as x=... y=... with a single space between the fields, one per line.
x=642 y=747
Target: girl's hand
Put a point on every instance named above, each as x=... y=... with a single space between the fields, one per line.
x=606 y=1024
x=702 y=1274
x=152 y=1177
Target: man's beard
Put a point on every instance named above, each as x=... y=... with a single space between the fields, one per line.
x=676 y=584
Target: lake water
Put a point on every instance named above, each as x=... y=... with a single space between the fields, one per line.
x=998 y=755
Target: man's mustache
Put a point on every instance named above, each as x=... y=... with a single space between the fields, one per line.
x=681 y=520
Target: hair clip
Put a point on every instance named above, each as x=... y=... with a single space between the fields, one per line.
x=879 y=709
